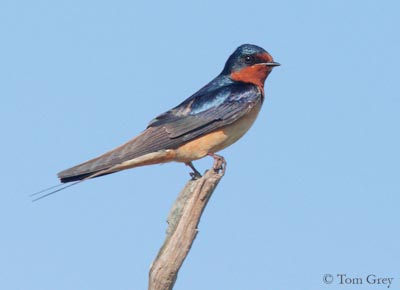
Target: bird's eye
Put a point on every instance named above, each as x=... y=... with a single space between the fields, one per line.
x=249 y=59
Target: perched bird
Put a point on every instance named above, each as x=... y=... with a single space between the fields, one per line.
x=210 y=120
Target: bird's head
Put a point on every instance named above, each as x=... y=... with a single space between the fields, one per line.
x=250 y=64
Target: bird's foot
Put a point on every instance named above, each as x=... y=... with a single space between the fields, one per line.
x=195 y=174
x=219 y=163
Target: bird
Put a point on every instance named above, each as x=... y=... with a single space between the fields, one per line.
x=211 y=119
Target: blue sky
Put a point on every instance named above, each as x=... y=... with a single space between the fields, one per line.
x=312 y=189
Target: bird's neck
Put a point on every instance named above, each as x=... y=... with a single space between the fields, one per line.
x=255 y=74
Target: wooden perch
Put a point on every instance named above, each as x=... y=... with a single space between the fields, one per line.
x=183 y=220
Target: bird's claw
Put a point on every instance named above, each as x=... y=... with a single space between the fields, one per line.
x=195 y=174
x=219 y=163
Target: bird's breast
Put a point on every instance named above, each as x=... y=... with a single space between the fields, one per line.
x=217 y=140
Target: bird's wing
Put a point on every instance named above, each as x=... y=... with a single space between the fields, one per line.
x=203 y=114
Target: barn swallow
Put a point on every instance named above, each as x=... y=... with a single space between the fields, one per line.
x=210 y=120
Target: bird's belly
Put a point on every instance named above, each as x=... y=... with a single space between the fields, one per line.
x=217 y=140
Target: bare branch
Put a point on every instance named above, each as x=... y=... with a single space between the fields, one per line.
x=183 y=220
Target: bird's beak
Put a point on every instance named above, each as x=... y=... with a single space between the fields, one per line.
x=272 y=63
